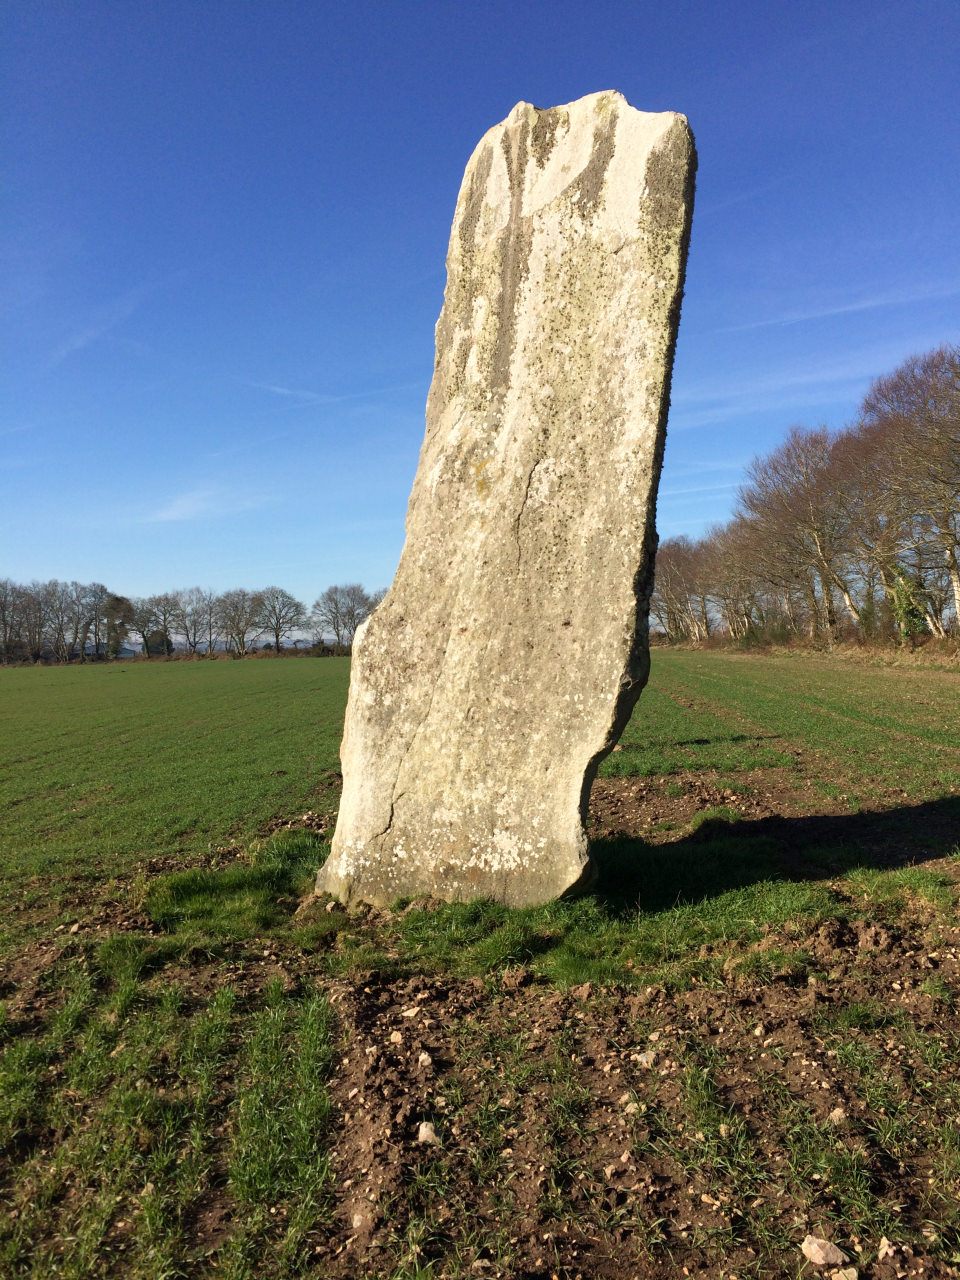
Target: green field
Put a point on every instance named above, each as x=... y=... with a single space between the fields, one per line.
x=105 y=767
x=870 y=727
x=102 y=767
x=179 y=1079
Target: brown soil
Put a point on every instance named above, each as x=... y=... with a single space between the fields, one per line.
x=781 y=803
x=651 y=807
x=628 y=1198
x=615 y=1185
x=632 y=1200
x=613 y=1189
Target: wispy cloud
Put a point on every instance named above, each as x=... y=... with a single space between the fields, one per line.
x=102 y=320
x=824 y=389
x=699 y=470
x=906 y=297
x=206 y=503
x=704 y=488
x=707 y=207
x=303 y=398
x=824 y=380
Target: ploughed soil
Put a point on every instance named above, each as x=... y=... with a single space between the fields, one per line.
x=612 y=1184
x=653 y=808
x=565 y=1134
x=620 y=1181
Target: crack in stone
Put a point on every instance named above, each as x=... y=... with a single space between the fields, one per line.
x=398 y=796
x=393 y=803
x=523 y=506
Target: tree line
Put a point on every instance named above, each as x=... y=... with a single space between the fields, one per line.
x=78 y=622
x=852 y=533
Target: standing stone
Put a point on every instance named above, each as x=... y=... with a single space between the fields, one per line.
x=506 y=659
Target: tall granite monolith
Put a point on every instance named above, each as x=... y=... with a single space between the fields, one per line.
x=508 y=655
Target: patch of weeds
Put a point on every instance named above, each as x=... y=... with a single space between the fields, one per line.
x=937 y=988
x=132 y=956
x=829 y=789
x=22 y=1079
x=775 y=964
x=79 y=1000
x=240 y=901
x=712 y=1146
x=858 y=1015
x=139 y=1086
x=138 y=889
x=689 y=896
x=893 y=888
x=566 y=1128
x=732 y=784
x=826 y=1172
x=116 y=1132
x=319 y=933
x=708 y=821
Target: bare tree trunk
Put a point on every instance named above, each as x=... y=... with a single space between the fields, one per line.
x=934 y=623
x=813 y=605
x=954 y=567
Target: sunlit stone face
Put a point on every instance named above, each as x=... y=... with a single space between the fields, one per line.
x=511 y=648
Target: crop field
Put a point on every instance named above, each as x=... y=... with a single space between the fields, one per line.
x=747 y=1035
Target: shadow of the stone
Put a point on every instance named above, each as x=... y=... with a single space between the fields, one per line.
x=727 y=737
x=642 y=748
x=722 y=855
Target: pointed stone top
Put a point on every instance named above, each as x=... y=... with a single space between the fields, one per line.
x=594 y=150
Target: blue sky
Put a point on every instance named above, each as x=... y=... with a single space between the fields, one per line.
x=224 y=230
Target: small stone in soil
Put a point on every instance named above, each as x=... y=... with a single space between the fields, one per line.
x=821 y=1252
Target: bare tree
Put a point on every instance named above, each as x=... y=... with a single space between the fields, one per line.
x=166 y=611
x=681 y=597
x=192 y=613
x=357 y=607
x=208 y=608
x=280 y=613
x=97 y=597
x=9 y=618
x=791 y=496
x=81 y=619
x=743 y=579
x=327 y=616
x=879 y=524
x=58 y=594
x=918 y=405
x=34 y=601
x=340 y=610
x=239 y=614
